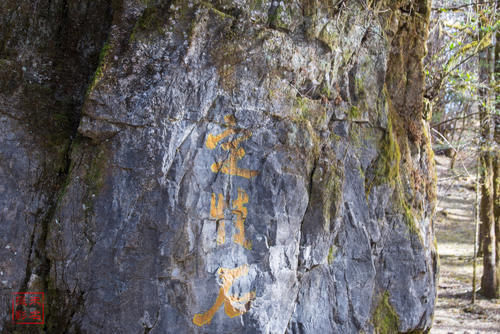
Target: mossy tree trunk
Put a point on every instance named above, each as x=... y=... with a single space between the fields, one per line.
x=488 y=280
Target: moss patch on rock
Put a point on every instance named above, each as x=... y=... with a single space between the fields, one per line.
x=354 y=113
x=150 y=20
x=101 y=67
x=387 y=163
x=385 y=319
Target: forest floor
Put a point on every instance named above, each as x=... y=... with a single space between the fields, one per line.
x=454 y=228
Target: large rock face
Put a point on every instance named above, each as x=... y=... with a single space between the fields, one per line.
x=216 y=166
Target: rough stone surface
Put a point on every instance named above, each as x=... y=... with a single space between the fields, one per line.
x=311 y=211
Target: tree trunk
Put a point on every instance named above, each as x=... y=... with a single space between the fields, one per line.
x=488 y=280
x=496 y=196
x=496 y=164
x=476 y=234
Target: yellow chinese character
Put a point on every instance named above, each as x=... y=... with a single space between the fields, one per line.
x=241 y=215
x=233 y=306
x=236 y=153
x=217 y=212
x=213 y=141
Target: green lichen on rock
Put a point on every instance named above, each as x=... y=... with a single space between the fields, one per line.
x=354 y=113
x=326 y=90
x=385 y=320
x=150 y=20
x=390 y=157
x=302 y=104
x=333 y=193
x=386 y=170
x=329 y=35
x=217 y=11
x=278 y=20
x=309 y=115
x=327 y=187
x=410 y=218
x=360 y=89
x=281 y=17
x=331 y=254
x=387 y=163
x=99 y=73
x=311 y=110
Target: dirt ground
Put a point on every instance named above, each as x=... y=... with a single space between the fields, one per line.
x=454 y=228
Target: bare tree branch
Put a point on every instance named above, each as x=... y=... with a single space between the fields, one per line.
x=461 y=6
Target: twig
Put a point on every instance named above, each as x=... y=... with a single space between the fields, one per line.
x=461 y=6
x=454 y=119
x=457 y=176
x=453 y=148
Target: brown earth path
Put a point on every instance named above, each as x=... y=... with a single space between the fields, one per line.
x=454 y=228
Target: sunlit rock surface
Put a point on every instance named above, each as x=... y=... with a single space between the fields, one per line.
x=216 y=166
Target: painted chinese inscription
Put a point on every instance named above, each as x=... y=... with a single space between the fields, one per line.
x=236 y=153
x=233 y=305
x=217 y=207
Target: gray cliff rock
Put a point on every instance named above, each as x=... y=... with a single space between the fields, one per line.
x=216 y=166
